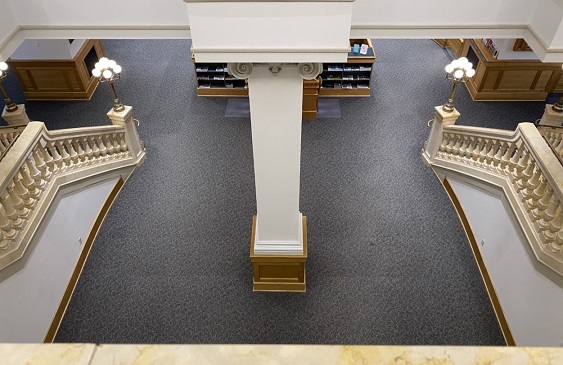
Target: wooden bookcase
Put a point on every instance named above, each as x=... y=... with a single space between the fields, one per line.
x=352 y=78
x=214 y=80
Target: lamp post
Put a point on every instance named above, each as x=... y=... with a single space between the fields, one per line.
x=460 y=70
x=107 y=70
x=10 y=105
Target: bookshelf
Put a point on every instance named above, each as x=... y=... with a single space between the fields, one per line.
x=352 y=78
x=214 y=80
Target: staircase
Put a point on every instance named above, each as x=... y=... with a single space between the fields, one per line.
x=37 y=163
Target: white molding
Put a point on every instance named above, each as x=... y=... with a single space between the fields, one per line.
x=278 y=247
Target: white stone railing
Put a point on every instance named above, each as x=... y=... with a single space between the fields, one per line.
x=8 y=136
x=553 y=136
x=521 y=163
x=41 y=161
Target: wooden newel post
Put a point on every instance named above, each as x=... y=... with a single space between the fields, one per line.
x=124 y=118
x=441 y=120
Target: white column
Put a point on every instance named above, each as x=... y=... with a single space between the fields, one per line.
x=17 y=117
x=276 y=97
x=551 y=117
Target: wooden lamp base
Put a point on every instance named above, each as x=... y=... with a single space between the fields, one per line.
x=284 y=273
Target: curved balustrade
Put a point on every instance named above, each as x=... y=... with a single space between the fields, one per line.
x=39 y=162
x=524 y=165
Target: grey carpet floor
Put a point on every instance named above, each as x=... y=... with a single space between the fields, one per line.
x=388 y=259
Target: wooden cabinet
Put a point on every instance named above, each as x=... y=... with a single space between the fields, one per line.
x=352 y=78
x=508 y=79
x=60 y=79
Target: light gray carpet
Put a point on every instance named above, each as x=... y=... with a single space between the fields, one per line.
x=388 y=259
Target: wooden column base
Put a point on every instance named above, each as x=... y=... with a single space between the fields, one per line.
x=284 y=273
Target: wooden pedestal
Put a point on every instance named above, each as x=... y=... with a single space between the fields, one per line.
x=279 y=272
x=60 y=79
x=310 y=98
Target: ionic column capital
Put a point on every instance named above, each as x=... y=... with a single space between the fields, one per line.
x=310 y=70
x=240 y=70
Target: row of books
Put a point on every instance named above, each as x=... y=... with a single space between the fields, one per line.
x=338 y=85
x=207 y=69
x=227 y=85
x=346 y=68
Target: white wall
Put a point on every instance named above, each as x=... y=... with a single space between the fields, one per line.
x=43 y=49
x=445 y=12
x=505 y=52
x=30 y=296
x=531 y=295
x=85 y=13
x=8 y=23
x=546 y=19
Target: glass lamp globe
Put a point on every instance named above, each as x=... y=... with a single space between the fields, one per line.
x=470 y=73
x=449 y=68
x=458 y=74
x=3 y=66
x=96 y=72
x=117 y=69
x=107 y=74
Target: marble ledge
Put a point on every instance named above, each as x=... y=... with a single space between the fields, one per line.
x=89 y=354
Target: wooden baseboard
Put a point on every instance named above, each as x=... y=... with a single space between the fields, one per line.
x=505 y=328
x=280 y=273
x=52 y=332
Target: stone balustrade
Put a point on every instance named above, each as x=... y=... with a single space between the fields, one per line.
x=8 y=136
x=523 y=165
x=40 y=161
x=553 y=136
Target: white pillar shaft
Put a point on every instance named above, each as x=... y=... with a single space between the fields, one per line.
x=275 y=111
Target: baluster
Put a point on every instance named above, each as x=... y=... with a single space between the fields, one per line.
x=505 y=166
x=116 y=146
x=521 y=164
x=21 y=191
x=38 y=154
x=482 y=159
x=6 y=224
x=87 y=150
x=497 y=158
x=542 y=197
x=65 y=157
x=28 y=180
x=123 y=143
x=550 y=234
x=493 y=146
x=71 y=151
x=17 y=202
x=109 y=146
x=102 y=145
x=526 y=173
x=550 y=213
x=533 y=182
x=469 y=149
x=476 y=150
x=443 y=144
x=94 y=146
x=463 y=147
x=57 y=160
x=457 y=144
x=11 y=213
x=79 y=152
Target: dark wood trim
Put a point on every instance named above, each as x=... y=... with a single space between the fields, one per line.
x=508 y=338
x=54 y=327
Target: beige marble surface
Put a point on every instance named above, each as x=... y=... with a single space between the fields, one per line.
x=89 y=354
x=46 y=354
x=325 y=355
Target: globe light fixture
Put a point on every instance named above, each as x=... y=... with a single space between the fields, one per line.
x=107 y=70
x=460 y=70
x=10 y=105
